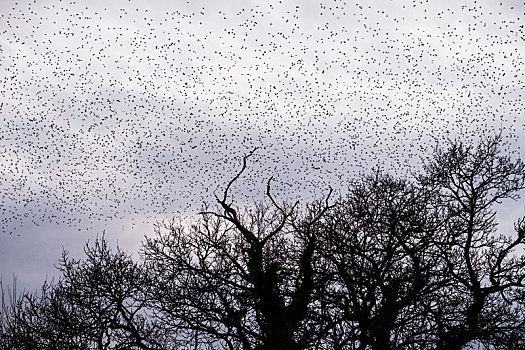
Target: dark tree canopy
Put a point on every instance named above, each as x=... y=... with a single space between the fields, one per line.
x=395 y=263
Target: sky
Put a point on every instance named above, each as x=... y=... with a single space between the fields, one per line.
x=115 y=115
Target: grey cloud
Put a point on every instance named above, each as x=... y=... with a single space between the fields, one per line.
x=117 y=114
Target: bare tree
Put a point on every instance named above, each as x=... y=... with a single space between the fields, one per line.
x=378 y=241
x=485 y=275
x=240 y=278
x=98 y=303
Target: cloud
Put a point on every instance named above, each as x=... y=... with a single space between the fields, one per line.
x=131 y=111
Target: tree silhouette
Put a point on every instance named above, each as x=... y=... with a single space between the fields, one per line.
x=98 y=303
x=395 y=263
x=484 y=277
x=241 y=278
x=379 y=242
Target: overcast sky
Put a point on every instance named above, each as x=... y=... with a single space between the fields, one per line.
x=116 y=114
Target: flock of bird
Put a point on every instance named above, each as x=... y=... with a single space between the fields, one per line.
x=135 y=109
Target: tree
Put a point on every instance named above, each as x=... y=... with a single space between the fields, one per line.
x=240 y=279
x=379 y=245
x=479 y=301
x=98 y=303
x=395 y=263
